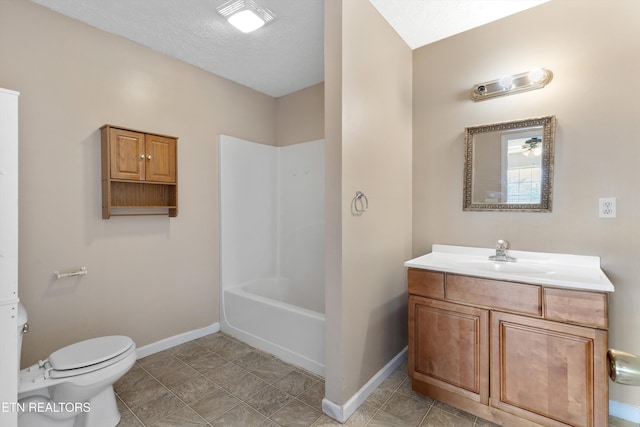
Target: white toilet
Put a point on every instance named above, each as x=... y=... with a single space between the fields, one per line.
x=73 y=387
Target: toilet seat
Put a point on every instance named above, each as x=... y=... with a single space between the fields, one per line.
x=87 y=356
x=42 y=375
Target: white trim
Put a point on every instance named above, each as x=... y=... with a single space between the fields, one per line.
x=9 y=301
x=9 y=91
x=624 y=411
x=175 y=340
x=342 y=413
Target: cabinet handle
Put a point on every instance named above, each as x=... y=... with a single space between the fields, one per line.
x=141 y=156
x=149 y=157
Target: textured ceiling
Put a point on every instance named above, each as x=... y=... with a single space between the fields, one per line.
x=282 y=57
x=420 y=22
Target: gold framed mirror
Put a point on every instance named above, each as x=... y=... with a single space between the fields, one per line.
x=509 y=166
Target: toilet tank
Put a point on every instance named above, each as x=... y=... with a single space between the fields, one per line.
x=22 y=327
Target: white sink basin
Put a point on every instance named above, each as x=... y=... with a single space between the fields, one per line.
x=505 y=267
x=559 y=270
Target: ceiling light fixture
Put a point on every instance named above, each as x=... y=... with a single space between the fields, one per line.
x=245 y=15
x=508 y=85
x=532 y=145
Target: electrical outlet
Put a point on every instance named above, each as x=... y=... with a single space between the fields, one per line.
x=607 y=207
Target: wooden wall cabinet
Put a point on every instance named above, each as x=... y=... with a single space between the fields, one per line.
x=514 y=353
x=139 y=173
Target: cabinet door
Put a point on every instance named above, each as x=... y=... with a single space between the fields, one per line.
x=161 y=158
x=548 y=372
x=449 y=346
x=127 y=154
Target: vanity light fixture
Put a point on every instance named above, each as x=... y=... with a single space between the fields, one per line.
x=508 y=85
x=245 y=15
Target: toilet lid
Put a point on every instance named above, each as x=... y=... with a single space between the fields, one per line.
x=89 y=352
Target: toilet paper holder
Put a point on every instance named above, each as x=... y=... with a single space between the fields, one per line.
x=63 y=274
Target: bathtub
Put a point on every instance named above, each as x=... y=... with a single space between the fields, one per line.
x=265 y=313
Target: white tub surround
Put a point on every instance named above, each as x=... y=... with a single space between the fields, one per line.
x=272 y=248
x=293 y=333
x=540 y=268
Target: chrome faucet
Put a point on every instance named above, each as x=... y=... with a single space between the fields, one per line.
x=501 y=252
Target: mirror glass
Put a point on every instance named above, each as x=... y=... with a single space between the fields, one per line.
x=509 y=166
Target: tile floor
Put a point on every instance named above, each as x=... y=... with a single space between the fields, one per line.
x=219 y=381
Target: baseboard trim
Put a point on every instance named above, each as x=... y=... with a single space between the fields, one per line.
x=624 y=411
x=175 y=340
x=342 y=412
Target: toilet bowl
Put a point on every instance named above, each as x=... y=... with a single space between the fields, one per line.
x=73 y=387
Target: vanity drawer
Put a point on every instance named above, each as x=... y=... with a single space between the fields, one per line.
x=578 y=307
x=515 y=297
x=426 y=283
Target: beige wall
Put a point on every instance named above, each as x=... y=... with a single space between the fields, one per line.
x=592 y=51
x=149 y=277
x=368 y=82
x=300 y=116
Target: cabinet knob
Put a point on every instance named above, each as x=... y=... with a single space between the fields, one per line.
x=141 y=156
x=149 y=157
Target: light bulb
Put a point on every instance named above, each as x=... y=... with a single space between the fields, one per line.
x=246 y=21
x=536 y=75
x=506 y=82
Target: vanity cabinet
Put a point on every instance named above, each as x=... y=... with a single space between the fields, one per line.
x=139 y=173
x=517 y=354
x=450 y=346
x=552 y=373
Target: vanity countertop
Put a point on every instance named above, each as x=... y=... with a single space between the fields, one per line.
x=557 y=270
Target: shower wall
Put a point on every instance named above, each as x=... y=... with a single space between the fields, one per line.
x=301 y=222
x=248 y=209
x=272 y=216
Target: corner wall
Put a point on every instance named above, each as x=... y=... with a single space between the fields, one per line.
x=368 y=136
x=591 y=50
x=300 y=116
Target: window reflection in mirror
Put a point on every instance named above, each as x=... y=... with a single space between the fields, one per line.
x=522 y=166
x=508 y=166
